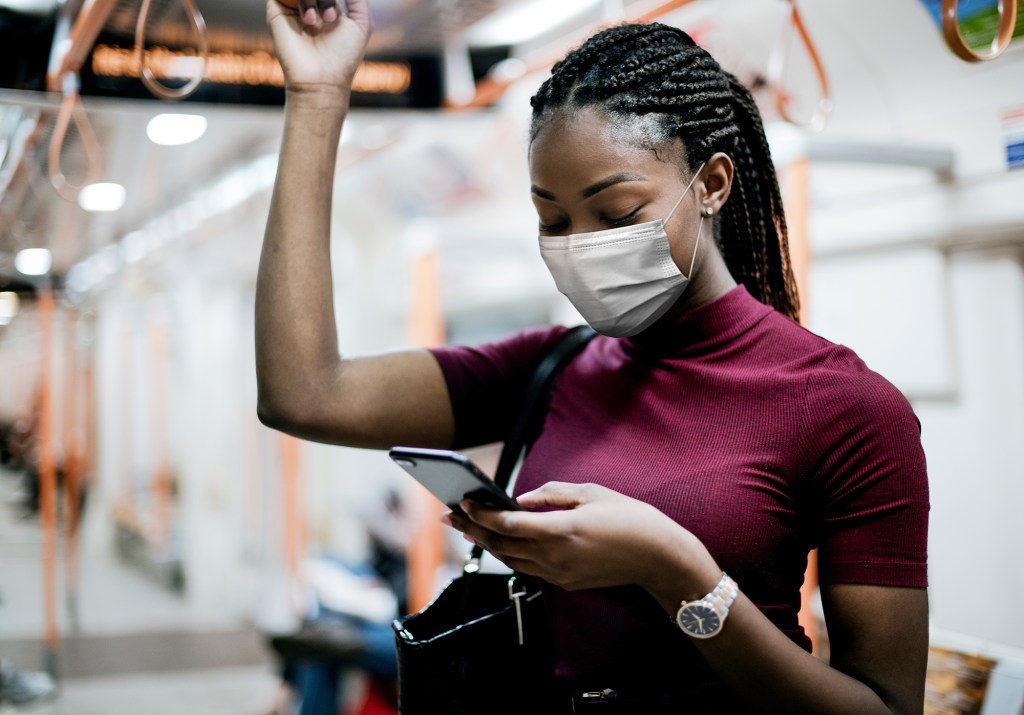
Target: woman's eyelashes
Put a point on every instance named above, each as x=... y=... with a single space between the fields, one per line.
x=552 y=227
x=624 y=220
x=609 y=221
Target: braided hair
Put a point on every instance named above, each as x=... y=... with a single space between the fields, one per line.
x=656 y=71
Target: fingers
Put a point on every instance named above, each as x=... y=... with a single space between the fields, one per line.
x=500 y=545
x=312 y=12
x=359 y=12
x=557 y=495
x=328 y=10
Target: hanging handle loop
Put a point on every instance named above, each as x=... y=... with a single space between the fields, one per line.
x=71 y=109
x=777 y=70
x=955 y=39
x=148 y=78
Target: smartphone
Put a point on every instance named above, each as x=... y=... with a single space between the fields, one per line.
x=451 y=477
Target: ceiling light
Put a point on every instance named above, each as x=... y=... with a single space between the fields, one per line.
x=175 y=129
x=101 y=197
x=522 y=21
x=34 y=261
x=8 y=307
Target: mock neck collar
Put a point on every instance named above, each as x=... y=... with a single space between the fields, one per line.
x=700 y=329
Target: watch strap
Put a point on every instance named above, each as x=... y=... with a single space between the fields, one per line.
x=723 y=595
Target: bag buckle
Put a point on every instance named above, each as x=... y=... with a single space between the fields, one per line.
x=472 y=564
x=593 y=697
x=515 y=596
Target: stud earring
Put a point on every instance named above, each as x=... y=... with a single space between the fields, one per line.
x=709 y=211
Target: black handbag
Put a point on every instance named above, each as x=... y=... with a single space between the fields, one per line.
x=483 y=646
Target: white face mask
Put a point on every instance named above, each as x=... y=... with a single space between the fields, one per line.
x=621 y=280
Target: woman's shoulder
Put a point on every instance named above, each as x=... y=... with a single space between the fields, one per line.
x=502 y=359
x=836 y=379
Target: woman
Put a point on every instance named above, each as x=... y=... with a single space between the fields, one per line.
x=696 y=451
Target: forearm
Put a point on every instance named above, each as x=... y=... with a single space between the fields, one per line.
x=758 y=662
x=296 y=336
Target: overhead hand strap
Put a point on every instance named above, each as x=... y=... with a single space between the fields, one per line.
x=777 y=69
x=955 y=40
x=530 y=418
x=202 y=43
x=71 y=108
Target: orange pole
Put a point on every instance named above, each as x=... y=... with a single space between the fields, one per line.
x=161 y=484
x=425 y=554
x=89 y=434
x=795 y=190
x=294 y=518
x=126 y=383
x=797 y=183
x=72 y=434
x=48 y=479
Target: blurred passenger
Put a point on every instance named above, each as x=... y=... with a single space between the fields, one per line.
x=695 y=452
x=24 y=688
x=348 y=626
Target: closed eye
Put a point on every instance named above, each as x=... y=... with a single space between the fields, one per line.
x=552 y=227
x=622 y=221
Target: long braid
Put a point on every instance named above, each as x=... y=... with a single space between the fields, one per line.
x=640 y=69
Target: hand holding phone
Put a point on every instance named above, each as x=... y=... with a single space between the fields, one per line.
x=451 y=477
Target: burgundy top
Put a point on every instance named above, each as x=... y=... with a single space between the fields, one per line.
x=761 y=438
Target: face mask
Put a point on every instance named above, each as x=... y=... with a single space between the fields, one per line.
x=621 y=280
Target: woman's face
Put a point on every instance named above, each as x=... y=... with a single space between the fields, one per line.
x=590 y=173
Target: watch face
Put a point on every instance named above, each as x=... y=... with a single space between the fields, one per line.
x=699 y=620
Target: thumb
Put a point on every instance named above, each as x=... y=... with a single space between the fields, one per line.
x=556 y=495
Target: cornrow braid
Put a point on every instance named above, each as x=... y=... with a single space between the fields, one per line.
x=653 y=69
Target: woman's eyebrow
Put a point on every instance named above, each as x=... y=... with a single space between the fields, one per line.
x=593 y=188
x=610 y=181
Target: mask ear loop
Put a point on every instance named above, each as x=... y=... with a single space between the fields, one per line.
x=685 y=192
x=700 y=228
x=693 y=259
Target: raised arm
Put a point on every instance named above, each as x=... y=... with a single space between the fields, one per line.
x=305 y=388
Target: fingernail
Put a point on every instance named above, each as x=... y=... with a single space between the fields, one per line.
x=309 y=17
x=446 y=519
x=330 y=15
x=468 y=538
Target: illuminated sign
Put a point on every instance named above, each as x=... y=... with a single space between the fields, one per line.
x=258 y=68
x=400 y=80
x=112 y=70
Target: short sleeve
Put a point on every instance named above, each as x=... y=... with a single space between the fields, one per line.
x=867 y=478
x=486 y=383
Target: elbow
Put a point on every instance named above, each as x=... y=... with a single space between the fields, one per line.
x=273 y=414
x=269 y=415
x=291 y=418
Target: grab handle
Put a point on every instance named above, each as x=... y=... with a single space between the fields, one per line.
x=955 y=40
x=777 y=69
x=71 y=109
x=148 y=78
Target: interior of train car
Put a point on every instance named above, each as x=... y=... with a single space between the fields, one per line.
x=168 y=545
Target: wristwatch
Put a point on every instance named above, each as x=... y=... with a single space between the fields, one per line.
x=704 y=617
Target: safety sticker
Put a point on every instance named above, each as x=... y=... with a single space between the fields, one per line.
x=1013 y=135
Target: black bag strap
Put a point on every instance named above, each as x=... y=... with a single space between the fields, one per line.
x=530 y=417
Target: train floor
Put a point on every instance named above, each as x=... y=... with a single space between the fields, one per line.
x=134 y=647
